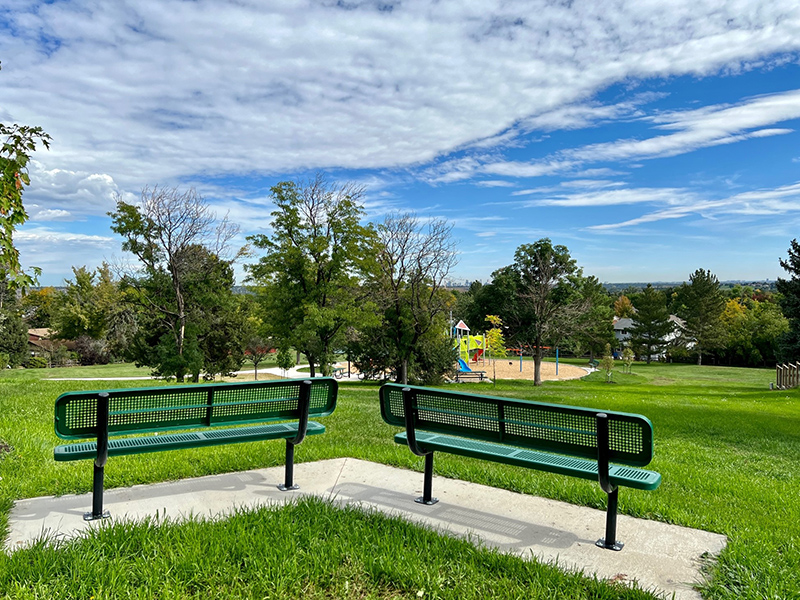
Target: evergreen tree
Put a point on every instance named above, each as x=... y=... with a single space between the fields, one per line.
x=13 y=336
x=790 y=303
x=651 y=323
x=701 y=305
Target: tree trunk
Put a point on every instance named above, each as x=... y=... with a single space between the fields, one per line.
x=403 y=374
x=537 y=366
x=312 y=370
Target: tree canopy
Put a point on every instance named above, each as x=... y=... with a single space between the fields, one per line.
x=188 y=317
x=317 y=256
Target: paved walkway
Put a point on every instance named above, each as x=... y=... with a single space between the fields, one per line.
x=661 y=557
x=293 y=373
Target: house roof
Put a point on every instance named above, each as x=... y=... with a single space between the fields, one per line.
x=40 y=332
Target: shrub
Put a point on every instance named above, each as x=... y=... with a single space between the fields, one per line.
x=36 y=362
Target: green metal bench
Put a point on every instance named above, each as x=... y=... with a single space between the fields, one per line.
x=568 y=440
x=194 y=415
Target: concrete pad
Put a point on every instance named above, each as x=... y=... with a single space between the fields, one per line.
x=662 y=558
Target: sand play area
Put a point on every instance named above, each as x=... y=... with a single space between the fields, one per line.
x=508 y=368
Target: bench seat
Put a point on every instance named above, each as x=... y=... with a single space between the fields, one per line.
x=543 y=461
x=192 y=439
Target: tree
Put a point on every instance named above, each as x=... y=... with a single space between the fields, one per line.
x=607 y=363
x=753 y=331
x=414 y=259
x=18 y=142
x=285 y=360
x=548 y=300
x=495 y=342
x=623 y=307
x=701 y=304
x=790 y=303
x=183 y=278
x=308 y=281
x=82 y=309
x=13 y=336
x=257 y=348
x=593 y=327
x=650 y=323
x=38 y=307
x=627 y=358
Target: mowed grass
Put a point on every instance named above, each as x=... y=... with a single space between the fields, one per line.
x=728 y=449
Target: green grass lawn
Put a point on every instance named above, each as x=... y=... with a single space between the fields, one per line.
x=727 y=447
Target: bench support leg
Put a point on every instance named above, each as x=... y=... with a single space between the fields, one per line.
x=427 y=491
x=100 y=461
x=97 y=497
x=610 y=541
x=289 y=483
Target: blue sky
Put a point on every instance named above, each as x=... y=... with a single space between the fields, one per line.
x=650 y=138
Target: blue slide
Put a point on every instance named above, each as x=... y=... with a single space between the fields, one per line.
x=464 y=366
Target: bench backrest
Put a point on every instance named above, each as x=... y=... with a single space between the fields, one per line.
x=537 y=425
x=190 y=406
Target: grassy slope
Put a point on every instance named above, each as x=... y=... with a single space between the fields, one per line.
x=727 y=447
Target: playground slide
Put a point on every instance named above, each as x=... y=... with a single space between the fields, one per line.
x=478 y=354
x=463 y=366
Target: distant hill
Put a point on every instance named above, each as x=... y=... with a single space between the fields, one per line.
x=765 y=285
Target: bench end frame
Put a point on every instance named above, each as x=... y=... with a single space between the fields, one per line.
x=410 y=414
x=100 y=461
x=303 y=408
x=609 y=542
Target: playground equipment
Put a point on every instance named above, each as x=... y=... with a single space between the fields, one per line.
x=465 y=373
x=470 y=347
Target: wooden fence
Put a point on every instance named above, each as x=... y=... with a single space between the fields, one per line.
x=787 y=376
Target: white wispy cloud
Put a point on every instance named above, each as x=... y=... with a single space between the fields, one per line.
x=782 y=200
x=493 y=183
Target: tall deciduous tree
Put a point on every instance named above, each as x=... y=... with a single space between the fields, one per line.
x=753 y=331
x=548 y=299
x=38 y=307
x=184 y=279
x=414 y=260
x=651 y=324
x=593 y=326
x=701 y=306
x=790 y=302
x=85 y=305
x=309 y=279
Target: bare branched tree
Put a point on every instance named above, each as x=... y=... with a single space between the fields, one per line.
x=415 y=259
x=164 y=232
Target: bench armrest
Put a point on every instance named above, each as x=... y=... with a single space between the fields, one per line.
x=603 y=451
x=303 y=408
x=410 y=413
